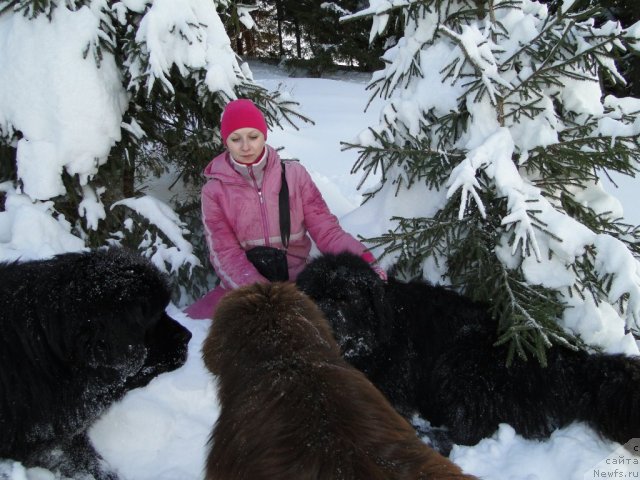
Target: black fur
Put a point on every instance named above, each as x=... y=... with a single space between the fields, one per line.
x=78 y=331
x=430 y=350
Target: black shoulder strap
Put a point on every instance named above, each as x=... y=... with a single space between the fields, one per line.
x=285 y=215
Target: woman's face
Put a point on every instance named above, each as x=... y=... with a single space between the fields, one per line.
x=245 y=144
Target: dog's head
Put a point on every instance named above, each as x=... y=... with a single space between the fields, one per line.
x=352 y=296
x=111 y=316
x=263 y=323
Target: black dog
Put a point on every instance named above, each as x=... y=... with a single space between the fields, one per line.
x=77 y=332
x=430 y=350
x=291 y=408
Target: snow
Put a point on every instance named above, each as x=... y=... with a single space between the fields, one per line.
x=160 y=432
x=568 y=454
x=201 y=43
x=29 y=231
x=69 y=112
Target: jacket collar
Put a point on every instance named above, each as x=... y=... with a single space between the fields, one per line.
x=256 y=168
x=221 y=167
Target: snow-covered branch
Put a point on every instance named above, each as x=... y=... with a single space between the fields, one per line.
x=614 y=259
x=162 y=216
x=189 y=35
x=379 y=11
x=478 y=50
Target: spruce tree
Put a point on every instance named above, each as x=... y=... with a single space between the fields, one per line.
x=495 y=127
x=176 y=72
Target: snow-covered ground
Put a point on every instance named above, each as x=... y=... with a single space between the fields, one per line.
x=160 y=432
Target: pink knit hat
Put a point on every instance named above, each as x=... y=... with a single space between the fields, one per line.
x=241 y=113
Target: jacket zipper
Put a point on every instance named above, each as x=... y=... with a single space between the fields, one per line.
x=263 y=207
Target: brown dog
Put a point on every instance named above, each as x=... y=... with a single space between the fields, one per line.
x=292 y=408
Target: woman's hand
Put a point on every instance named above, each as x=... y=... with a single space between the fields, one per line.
x=371 y=260
x=380 y=271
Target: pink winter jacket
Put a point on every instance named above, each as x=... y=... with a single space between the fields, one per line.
x=235 y=219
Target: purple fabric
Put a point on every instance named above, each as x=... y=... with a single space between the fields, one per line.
x=204 y=308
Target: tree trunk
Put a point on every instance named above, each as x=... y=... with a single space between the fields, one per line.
x=298 y=42
x=279 y=16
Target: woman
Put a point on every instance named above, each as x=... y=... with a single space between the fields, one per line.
x=240 y=208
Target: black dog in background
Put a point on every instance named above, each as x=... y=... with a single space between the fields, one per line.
x=430 y=350
x=77 y=332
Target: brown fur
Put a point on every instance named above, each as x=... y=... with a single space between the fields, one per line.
x=292 y=408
